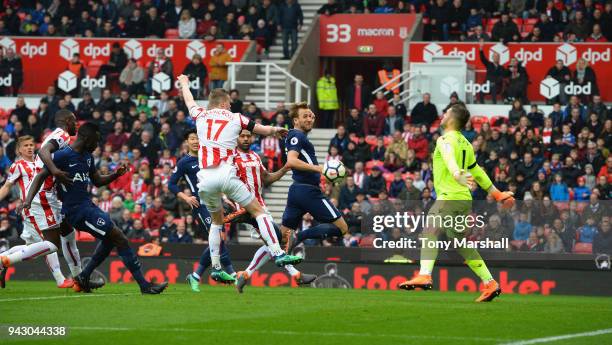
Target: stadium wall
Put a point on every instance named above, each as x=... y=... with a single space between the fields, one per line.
x=363 y=269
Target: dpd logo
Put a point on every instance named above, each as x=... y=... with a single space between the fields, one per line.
x=7 y=44
x=30 y=50
x=551 y=88
x=68 y=48
x=6 y=81
x=133 y=49
x=161 y=82
x=95 y=51
x=450 y=84
x=168 y=51
x=431 y=50
x=195 y=47
x=502 y=51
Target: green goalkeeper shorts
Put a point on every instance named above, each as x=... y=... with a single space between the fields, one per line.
x=451 y=216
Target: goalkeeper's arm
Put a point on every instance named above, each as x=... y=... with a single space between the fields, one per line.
x=485 y=183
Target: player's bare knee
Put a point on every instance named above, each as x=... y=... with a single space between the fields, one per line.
x=341 y=224
x=118 y=238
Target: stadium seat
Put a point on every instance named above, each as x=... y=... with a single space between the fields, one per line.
x=85 y=237
x=367 y=241
x=583 y=248
x=353 y=137
x=371 y=140
x=478 y=120
x=94 y=67
x=497 y=120
x=172 y=34
x=371 y=164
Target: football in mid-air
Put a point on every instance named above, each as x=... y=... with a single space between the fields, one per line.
x=334 y=171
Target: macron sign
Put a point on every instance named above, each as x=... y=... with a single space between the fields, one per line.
x=364 y=35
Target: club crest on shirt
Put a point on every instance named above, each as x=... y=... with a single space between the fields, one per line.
x=101 y=222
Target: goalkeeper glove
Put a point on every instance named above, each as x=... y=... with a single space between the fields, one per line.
x=506 y=198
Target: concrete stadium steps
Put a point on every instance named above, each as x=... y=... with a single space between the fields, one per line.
x=277 y=83
x=276 y=195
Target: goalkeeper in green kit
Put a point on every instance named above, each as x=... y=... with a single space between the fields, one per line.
x=454 y=173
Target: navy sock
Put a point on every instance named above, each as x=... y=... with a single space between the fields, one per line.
x=131 y=262
x=226 y=261
x=204 y=262
x=319 y=232
x=102 y=251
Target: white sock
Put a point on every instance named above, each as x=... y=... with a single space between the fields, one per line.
x=291 y=270
x=54 y=265
x=267 y=233
x=12 y=250
x=31 y=251
x=196 y=276
x=214 y=243
x=71 y=253
x=262 y=255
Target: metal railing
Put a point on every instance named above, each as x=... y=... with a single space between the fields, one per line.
x=267 y=67
x=411 y=92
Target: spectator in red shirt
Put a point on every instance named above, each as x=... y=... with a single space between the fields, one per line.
x=118 y=138
x=155 y=215
x=606 y=170
x=419 y=144
x=374 y=123
x=596 y=35
x=381 y=103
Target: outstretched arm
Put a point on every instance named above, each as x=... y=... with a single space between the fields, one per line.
x=270 y=130
x=485 y=183
x=38 y=181
x=103 y=180
x=270 y=178
x=187 y=96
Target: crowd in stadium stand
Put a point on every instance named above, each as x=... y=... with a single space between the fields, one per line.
x=558 y=164
x=209 y=20
x=505 y=20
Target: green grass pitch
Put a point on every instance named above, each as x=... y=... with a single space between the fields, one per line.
x=118 y=314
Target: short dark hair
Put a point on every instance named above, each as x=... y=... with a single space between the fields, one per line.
x=190 y=132
x=88 y=129
x=295 y=109
x=61 y=116
x=461 y=114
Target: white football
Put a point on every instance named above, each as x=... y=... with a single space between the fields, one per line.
x=334 y=171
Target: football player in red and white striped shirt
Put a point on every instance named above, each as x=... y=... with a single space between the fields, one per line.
x=218 y=129
x=21 y=173
x=255 y=176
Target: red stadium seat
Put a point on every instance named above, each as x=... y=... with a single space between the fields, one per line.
x=353 y=137
x=371 y=140
x=387 y=140
x=497 y=120
x=85 y=237
x=583 y=248
x=530 y=21
x=94 y=67
x=371 y=164
x=367 y=241
x=172 y=33
x=478 y=120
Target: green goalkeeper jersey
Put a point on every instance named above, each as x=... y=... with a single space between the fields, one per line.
x=454 y=150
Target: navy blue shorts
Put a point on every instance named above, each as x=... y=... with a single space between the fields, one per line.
x=202 y=217
x=305 y=198
x=91 y=219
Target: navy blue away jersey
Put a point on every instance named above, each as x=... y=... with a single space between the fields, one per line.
x=187 y=168
x=298 y=141
x=80 y=167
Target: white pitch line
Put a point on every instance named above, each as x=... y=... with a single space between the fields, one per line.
x=62 y=297
x=561 y=337
x=290 y=333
